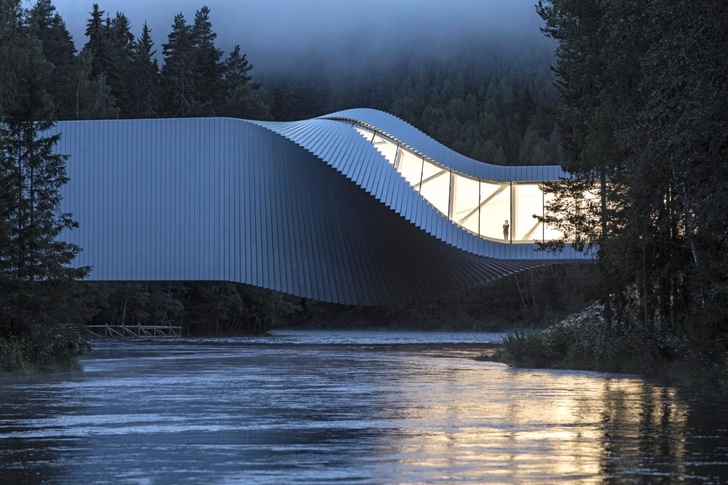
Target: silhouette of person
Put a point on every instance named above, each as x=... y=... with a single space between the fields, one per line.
x=506 y=227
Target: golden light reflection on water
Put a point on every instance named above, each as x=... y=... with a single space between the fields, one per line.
x=525 y=426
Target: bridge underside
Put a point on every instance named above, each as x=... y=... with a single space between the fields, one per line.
x=307 y=208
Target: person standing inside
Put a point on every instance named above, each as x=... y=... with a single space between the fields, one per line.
x=506 y=228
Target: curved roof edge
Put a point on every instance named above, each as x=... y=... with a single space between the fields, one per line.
x=417 y=139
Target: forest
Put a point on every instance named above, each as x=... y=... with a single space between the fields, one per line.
x=496 y=105
x=644 y=91
x=630 y=97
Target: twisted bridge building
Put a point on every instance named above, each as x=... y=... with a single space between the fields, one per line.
x=356 y=207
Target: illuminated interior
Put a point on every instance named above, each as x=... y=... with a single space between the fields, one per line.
x=479 y=206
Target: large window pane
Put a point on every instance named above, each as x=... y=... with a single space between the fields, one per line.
x=465 y=202
x=479 y=206
x=435 y=186
x=410 y=166
x=549 y=231
x=495 y=208
x=528 y=201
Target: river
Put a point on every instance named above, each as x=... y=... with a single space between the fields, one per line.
x=348 y=407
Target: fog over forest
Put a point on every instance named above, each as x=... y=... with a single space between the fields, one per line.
x=333 y=36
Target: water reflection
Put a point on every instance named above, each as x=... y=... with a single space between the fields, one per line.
x=535 y=426
x=281 y=411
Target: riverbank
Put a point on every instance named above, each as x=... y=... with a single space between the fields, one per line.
x=50 y=349
x=587 y=341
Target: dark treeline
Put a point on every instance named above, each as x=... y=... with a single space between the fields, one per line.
x=492 y=101
x=200 y=308
x=116 y=75
x=495 y=101
x=645 y=97
x=220 y=308
x=529 y=299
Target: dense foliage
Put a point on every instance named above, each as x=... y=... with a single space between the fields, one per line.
x=200 y=308
x=529 y=299
x=585 y=340
x=221 y=308
x=35 y=291
x=645 y=95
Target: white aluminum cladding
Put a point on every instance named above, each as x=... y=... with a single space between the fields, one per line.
x=308 y=208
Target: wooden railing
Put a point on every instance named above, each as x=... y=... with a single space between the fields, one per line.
x=133 y=331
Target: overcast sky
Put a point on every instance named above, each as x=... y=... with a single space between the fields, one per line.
x=274 y=32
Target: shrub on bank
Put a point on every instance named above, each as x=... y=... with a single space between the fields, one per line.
x=587 y=341
x=44 y=349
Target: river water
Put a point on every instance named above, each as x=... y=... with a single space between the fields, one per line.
x=348 y=407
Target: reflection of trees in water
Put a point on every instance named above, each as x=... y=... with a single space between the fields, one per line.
x=644 y=430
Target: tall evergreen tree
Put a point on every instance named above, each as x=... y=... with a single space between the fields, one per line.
x=33 y=172
x=208 y=89
x=121 y=54
x=58 y=49
x=242 y=98
x=98 y=42
x=237 y=72
x=31 y=175
x=97 y=77
x=145 y=75
x=179 y=75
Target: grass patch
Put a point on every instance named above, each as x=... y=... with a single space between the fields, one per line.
x=586 y=341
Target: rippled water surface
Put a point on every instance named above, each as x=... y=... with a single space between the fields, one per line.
x=348 y=407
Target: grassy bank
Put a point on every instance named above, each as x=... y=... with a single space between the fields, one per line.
x=42 y=350
x=587 y=341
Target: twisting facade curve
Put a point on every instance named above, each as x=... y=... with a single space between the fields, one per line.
x=356 y=207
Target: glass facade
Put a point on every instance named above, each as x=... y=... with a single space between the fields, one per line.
x=495 y=208
x=500 y=211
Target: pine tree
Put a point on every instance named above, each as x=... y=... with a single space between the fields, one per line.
x=96 y=77
x=98 y=42
x=58 y=49
x=208 y=89
x=121 y=53
x=145 y=85
x=242 y=98
x=36 y=174
x=179 y=73
x=237 y=72
x=31 y=175
x=32 y=172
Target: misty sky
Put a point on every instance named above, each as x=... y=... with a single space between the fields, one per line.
x=277 y=34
